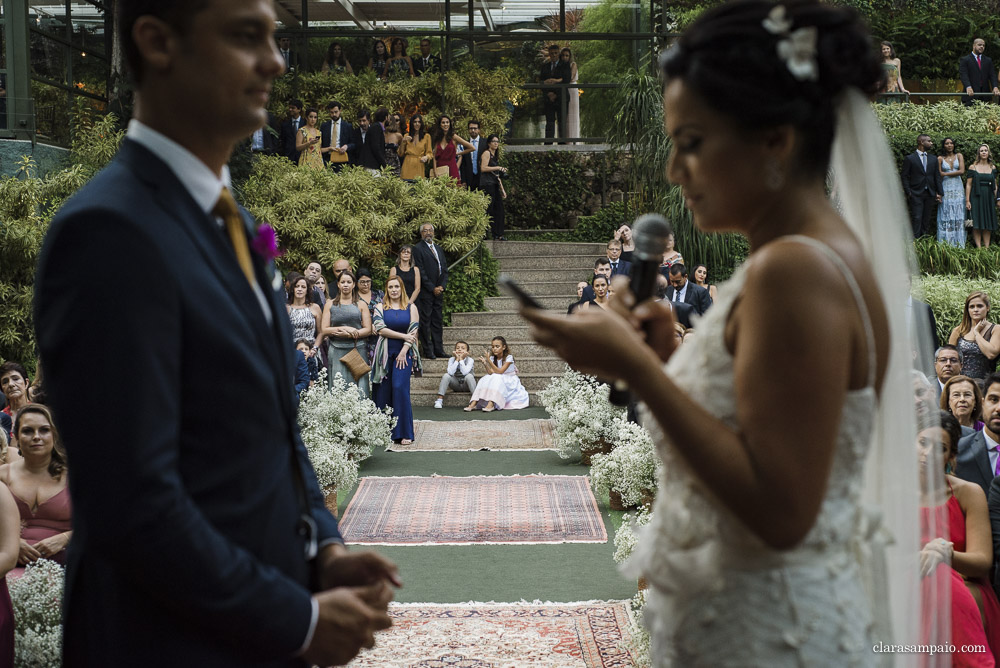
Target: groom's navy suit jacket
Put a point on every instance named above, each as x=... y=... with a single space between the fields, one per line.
x=185 y=550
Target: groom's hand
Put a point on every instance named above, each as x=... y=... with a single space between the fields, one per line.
x=340 y=568
x=346 y=623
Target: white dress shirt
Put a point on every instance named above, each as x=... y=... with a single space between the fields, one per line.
x=460 y=369
x=680 y=294
x=435 y=254
x=475 y=155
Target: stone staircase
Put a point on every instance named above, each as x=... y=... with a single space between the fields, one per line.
x=550 y=271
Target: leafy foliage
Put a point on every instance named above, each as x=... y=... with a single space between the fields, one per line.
x=947 y=260
x=946 y=297
x=470 y=283
x=603 y=61
x=542 y=187
x=949 y=116
x=601 y=227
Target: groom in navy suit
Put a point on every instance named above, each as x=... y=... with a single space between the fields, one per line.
x=200 y=534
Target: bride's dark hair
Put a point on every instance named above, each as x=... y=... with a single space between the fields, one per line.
x=732 y=62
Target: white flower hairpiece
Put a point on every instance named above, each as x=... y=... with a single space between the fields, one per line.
x=798 y=49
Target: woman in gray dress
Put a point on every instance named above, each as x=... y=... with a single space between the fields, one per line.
x=346 y=325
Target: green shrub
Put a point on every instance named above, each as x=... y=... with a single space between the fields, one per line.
x=542 y=188
x=947 y=260
x=470 y=283
x=601 y=227
x=948 y=116
x=946 y=297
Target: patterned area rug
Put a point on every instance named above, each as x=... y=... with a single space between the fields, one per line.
x=489 y=635
x=534 y=434
x=442 y=510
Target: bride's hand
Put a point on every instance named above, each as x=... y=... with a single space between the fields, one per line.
x=654 y=319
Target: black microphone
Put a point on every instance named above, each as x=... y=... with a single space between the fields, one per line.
x=649 y=233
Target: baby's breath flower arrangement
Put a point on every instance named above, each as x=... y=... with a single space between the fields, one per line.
x=37 y=598
x=631 y=468
x=340 y=428
x=582 y=413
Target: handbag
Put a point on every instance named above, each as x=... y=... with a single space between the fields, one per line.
x=968 y=223
x=441 y=171
x=355 y=363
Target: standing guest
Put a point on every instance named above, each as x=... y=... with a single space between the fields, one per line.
x=499 y=388
x=416 y=150
x=572 y=94
x=369 y=141
x=307 y=142
x=618 y=265
x=334 y=61
x=433 y=265
x=951 y=211
x=624 y=235
x=177 y=560
x=554 y=72
x=922 y=185
x=337 y=137
x=489 y=182
x=39 y=484
x=426 y=62
x=601 y=298
x=289 y=57
x=397 y=322
x=393 y=140
x=893 y=71
x=671 y=256
x=304 y=316
x=700 y=278
x=408 y=272
x=459 y=375
x=266 y=139
x=372 y=297
x=468 y=168
x=976 y=337
x=290 y=130
x=339 y=267
x=579 y=298
x=445 y=140
x=947 y=364
x=685 y=291
x=377 y=63
x=320 y=289
x=981 y=196
x=346 y=326
x=977 y=74
x=399 y=62
x=14 y=385
x=961 y=397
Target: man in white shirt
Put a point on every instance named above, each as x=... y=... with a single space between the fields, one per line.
x=336 y=134
x=287 y=55
x=469 y=169
x=219 y=550
x=459 y=376
x=426 y=62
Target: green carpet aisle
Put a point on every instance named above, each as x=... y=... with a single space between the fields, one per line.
x=439 y=578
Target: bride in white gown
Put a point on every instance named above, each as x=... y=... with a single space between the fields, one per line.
x=789 y=412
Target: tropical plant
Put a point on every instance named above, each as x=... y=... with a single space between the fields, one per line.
x=37 y=600
x=543 y=188
x=946 y=297
x=602 y=61
x=934 y=257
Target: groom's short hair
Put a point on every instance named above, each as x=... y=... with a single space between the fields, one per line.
x=178 y=14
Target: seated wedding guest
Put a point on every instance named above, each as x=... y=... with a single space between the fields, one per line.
x=679 y=332
x=499 y=388
x=580 y=287
x=977 y=453
x=303 y=314
x=618 y=265
x=600 y=300
x=947 y=363
x=683 y=290
x=372 y=297
x=961 y=397
x=459 y=375
x=964 y=560
x=6 y=426
x=397 y=322
x=14 y=385
x=490 y=183
x=40 y=488
x=346 y=326
x=393 y=140
x=399 y=62
x=335 y=60
x=670 y=256
x=406 y=270
x=624 y=235
x=700 y=276
x=415 y=150
x=377 y=63
x=312 y=362
x=307 y=141
x=977 y=337
x=602 y=267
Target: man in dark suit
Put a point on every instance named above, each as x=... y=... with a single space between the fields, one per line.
x=977 y=74
x=369 y=141
x=922 y=184
x=426 y=61
x=200 y=536
x=266 y=140
x=683 y=290
x=433 y=265
x=602 y=267
x=618 y=266
x=978 y=459
x=290 y=128
x=288 y=56
x=336 y=138
x=469 y=169
x=947 y=363
x=554 y=71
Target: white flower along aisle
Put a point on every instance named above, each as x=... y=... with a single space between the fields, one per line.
x=37 y=598
x=340 y=428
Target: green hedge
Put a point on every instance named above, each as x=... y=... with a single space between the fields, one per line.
x=542 y=188
x=946 y=297
x=470 y=284
x=946 y=260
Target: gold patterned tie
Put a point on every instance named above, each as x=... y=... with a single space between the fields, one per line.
x=226 y=209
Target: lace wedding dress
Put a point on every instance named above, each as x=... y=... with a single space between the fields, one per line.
x=719 y=596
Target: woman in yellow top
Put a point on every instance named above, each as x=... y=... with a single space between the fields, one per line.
x=415 y=149
x=307 y=141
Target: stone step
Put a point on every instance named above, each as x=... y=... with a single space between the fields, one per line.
x=481 y=333
x=557 y=286
x=551 y=365
x=555 y=302
x=427 y=397
x=501 y=249
x=565 y=261
x=487 y=319
x=520 y=347
x=549 y=275
x=533 y=382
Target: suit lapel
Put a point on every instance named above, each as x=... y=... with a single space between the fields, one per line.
x=982 y=456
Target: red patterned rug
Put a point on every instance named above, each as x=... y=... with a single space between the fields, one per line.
x=503 y=510
x=491 y=635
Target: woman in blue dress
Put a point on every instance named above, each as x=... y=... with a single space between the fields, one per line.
x=396 y=355
x=951 y=211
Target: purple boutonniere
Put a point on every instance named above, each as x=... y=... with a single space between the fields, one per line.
x=265 y=243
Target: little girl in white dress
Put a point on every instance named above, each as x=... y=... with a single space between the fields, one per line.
x=500 y=387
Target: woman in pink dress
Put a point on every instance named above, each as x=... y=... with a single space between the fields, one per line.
x=39 y=484
x=445 y=141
